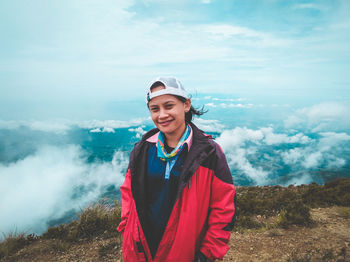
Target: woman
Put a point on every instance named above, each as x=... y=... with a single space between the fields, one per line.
x=178 y=194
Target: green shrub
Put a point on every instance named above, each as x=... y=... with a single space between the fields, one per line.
x=335 y=192
x=98 y=219
x=266 y=201
x=59 y=232
x=295 y=213
x=292 y=203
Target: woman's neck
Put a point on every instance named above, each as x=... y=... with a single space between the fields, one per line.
x=172 y=139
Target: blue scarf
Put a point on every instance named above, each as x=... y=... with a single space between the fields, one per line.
x=161 y=152
x=171 y=157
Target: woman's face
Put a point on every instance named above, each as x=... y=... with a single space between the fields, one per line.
x=168 y=113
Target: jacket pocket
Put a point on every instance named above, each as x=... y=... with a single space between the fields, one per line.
x=133 y=249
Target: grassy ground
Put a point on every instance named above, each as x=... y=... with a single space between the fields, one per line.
x=262 y=212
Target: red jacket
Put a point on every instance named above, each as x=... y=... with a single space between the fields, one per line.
x=202 y=216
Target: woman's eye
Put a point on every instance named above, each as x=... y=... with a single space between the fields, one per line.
x=168 y=106
x=154 y=109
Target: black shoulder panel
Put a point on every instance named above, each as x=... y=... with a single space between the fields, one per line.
x=218 y=163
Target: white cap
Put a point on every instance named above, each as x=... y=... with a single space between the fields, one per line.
x=172 y=87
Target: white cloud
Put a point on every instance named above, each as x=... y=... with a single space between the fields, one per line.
x=62 y=126
x=237 y=137
x=299 y=180
x=332 y=139
x=292 y=156
x=309 y=6
x=96 y=130
x=233 y=143
x=321 y=117
x=139 y=131
x=270 y=138
x=336 y=162
x=108 y=125
x=208 y=125
x=223 y=32
x=240 y=105
x=226 y=31
x=41 y=186
x=228 y=99
x=312 y=160
x=231 y=105
x=54 y=126
x=210 y=105
x=103 y=130
x=257 y=153
x=238 y=159
x=50 y=126
x=108 y=130
x=324 y=152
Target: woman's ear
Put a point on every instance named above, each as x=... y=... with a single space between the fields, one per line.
x=187 y=105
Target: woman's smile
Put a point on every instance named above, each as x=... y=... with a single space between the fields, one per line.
x=165 y=123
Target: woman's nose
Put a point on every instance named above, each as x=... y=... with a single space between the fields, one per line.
x=163 y=113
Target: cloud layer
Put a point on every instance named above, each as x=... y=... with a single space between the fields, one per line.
x=51 y=168
x=263 y=157
x=321 y=117
x=53 y=181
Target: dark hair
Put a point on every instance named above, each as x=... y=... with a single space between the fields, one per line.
x=191 y=112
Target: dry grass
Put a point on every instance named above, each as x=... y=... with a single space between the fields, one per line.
x=96 y=220
x=261 y=209
x=13 y=242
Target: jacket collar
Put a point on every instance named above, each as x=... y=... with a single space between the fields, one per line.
x=154 y=138
x=201 y=148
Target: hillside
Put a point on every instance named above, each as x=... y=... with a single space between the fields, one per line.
x=303 y=223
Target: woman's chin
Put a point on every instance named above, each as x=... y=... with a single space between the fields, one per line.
x=166 y=130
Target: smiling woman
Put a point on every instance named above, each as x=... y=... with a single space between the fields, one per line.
x=178 y=194
x=168 y=114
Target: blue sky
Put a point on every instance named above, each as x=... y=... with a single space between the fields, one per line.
x=74 y=55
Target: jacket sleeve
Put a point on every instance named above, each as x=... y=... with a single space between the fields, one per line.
x=125 y=190
x=221 y=211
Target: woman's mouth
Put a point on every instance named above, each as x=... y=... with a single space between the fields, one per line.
x=165 y=123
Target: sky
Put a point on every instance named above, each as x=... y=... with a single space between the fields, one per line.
x=74 y=58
